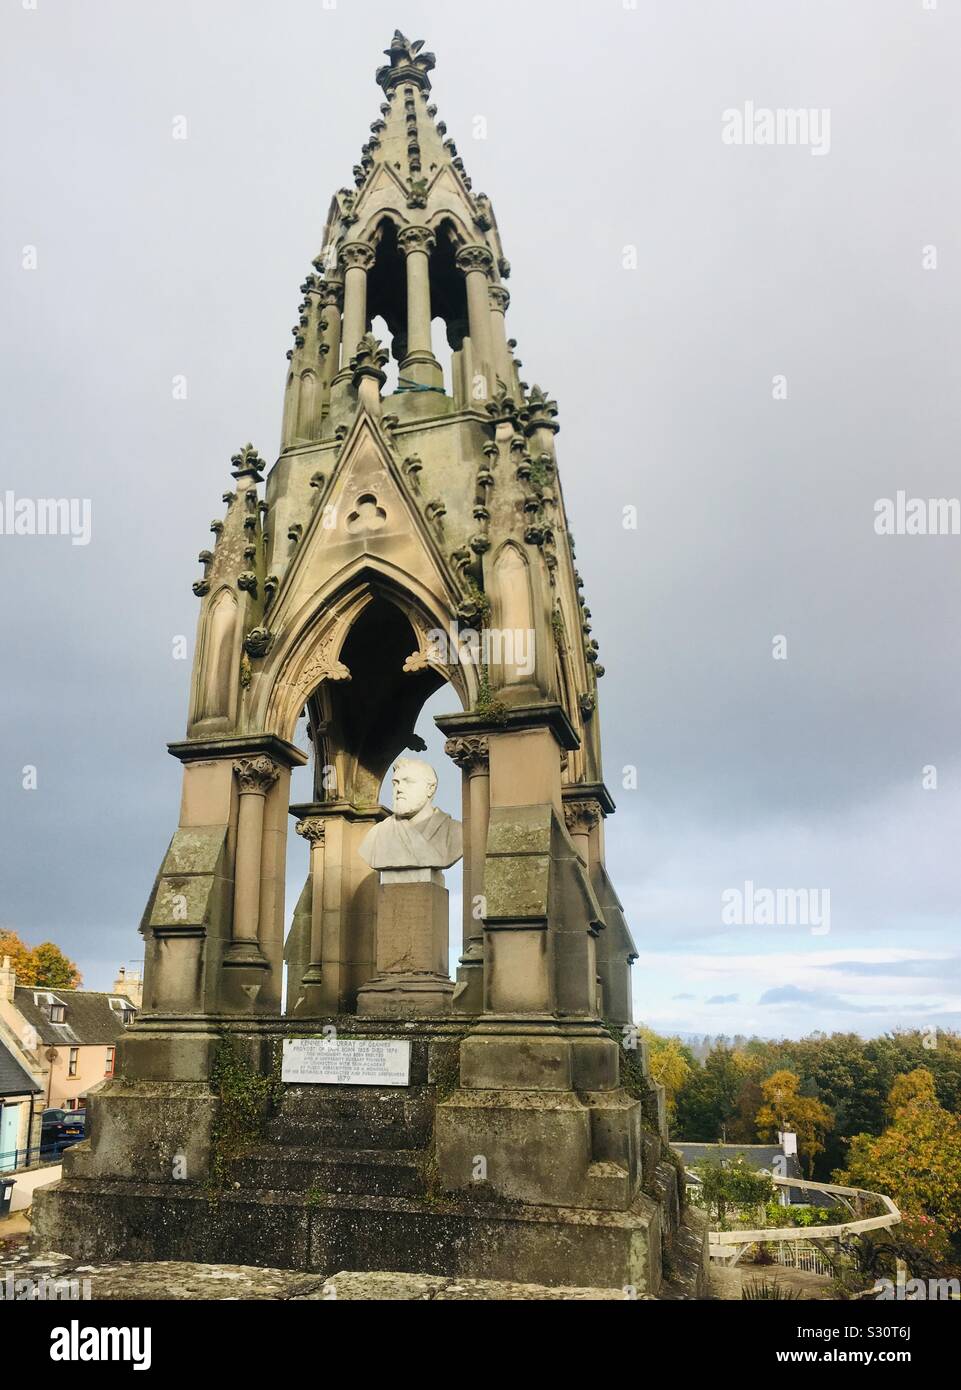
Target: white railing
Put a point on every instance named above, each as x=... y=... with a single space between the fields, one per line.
x=729 y=1246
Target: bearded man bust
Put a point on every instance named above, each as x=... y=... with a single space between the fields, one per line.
x=418 y=835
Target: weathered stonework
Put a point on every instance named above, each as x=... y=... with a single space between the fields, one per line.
x=397 y=546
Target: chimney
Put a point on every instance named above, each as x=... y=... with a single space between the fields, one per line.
x=130 y=986
x=8 y=981
x=788 y=1142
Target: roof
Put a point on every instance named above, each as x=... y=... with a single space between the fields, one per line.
x=91 y=1019
x=766 y=1157
x=14 y=1080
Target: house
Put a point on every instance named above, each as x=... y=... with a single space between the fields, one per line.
x=19 y=1107
x=68 y=1036
x=779 y=1160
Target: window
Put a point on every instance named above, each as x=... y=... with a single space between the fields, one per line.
x=111 y=1053
x=72 y=1064
x=58 y=1013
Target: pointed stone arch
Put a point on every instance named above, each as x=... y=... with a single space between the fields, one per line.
x=310 y=652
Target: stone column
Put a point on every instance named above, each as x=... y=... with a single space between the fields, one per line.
x=357 y=258
x=419 y=363
x=472 y=756
x=499 y=300
x=313 y=830
x=477 y=262
x=255 y=777
x=332 y=301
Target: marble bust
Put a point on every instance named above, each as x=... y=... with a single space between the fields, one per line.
x=417 y=835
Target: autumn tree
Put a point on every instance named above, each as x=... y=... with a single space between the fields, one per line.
x=44 y=966
x=917 y=1159
x=786 y=1109
x=670 y=1064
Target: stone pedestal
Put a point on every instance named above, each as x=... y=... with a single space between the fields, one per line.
x=412 y=928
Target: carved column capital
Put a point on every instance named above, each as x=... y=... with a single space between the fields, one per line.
x=256 y=775
x=313 y=829
x=356 y=255
x=331 y=295
x=475 y=258
x=471 y=754
x=581 y=816
x=416 y=239
x=499 y=297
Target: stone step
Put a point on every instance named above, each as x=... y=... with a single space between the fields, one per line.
x=296 y=1168
x=353 y=1117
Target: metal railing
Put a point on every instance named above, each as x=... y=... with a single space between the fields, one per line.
x=16 y=1160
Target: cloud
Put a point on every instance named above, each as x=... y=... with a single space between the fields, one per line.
x=722 y=999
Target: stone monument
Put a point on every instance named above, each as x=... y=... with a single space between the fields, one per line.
x=501 y=1125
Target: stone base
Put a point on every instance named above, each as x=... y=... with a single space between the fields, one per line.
x=557 y=1148
x=406 y=996
x=328 y=1232
x=359 y=1178
x=412 y=926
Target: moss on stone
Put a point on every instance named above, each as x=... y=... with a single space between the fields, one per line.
x=248 y=1099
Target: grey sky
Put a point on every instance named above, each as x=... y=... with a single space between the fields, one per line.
x=158 y=256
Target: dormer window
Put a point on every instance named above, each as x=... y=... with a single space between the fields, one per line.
x=58 y=1013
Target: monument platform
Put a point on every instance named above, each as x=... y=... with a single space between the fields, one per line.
x=329 y=1178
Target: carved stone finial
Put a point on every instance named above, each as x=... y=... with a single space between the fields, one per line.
x=408 y=63
x=370 y=353
x=247 y=463
x=540 y=412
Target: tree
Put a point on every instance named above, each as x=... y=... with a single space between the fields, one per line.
x=785 y=1108
x=44 y=966
x=670 y=1064
x=707 y=1101
x=733 y=1185
x=917 y=1160
x=911 y=1088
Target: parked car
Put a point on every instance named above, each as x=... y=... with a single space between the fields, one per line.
x=74 y=1127
x=59 y=1129
x=52 y=1132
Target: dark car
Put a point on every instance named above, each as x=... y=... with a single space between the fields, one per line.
x=74 y=1127
x=59 y=1129
x=52 y=1132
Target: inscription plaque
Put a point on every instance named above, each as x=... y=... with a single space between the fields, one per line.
x=346 y=1062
